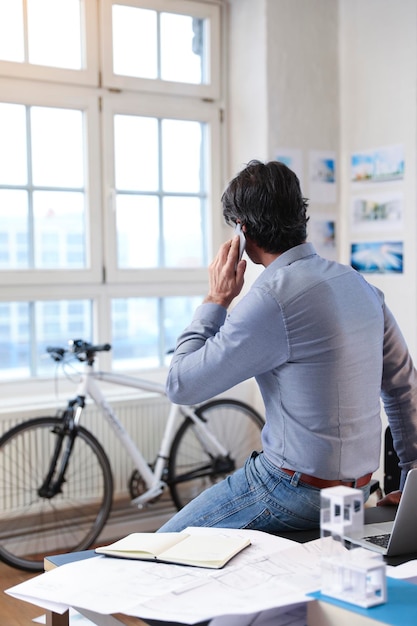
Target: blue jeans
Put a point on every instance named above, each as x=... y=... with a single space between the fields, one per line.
x=258 y=496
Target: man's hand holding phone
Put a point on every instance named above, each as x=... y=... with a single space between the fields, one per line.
x=226 y=275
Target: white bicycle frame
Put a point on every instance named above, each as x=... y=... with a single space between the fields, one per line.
x=88 y=387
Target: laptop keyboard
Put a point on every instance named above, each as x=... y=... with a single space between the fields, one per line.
x=380 y=540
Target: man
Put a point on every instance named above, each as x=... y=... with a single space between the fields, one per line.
x=323 y=348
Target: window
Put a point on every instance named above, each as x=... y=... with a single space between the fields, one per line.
x=162 y=319
x=25 y=28
x=158 y=162
x=109 y=163
x=172 y=47
x=157 y=45
x=42 y=193
x=159 y=197
x=50 y=40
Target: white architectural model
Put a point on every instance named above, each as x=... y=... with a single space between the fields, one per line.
x=357 y=575
x=341 y=511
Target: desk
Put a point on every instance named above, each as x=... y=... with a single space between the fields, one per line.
x=374 y=514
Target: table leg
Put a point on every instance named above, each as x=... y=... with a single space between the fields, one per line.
x=57 y=619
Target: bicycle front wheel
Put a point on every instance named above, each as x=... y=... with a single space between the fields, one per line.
x=191 y=467
x=33 y=526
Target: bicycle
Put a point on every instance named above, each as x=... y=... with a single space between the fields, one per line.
x=56 y=490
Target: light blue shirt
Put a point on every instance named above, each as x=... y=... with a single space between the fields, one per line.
x=323 y=348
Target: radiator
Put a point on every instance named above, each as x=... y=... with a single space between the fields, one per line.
x=144 y=419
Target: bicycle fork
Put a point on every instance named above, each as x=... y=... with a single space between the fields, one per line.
x=65 y=435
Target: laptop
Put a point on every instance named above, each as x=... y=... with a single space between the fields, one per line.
x=396 y=537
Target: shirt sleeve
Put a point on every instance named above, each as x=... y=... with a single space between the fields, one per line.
x=218 y=350
x=399 y=394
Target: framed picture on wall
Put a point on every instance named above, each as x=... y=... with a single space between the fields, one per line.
x=377 y=257
x=377 y=211
x=378 y=164
x=322 y=176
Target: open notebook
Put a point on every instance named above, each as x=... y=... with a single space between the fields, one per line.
x=181 y=548
x=399 y=536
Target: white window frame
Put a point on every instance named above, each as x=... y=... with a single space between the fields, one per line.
x=47 y=95
x=29 y=84
x=172 y=108
x=209 y=11
x=87 y=75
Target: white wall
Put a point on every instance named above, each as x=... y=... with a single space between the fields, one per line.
x=303 y=94
x=378 y=72
x=247 y=119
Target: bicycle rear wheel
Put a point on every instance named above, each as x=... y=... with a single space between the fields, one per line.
x=191 y=469
x=32 y=526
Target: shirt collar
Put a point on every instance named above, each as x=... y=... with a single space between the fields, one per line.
x=296 y=253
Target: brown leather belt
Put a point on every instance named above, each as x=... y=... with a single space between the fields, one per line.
x=321 y=483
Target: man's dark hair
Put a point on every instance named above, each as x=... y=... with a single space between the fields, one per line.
x=267 y=199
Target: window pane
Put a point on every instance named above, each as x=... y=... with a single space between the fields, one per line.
x=57 y=147
x=143 y=240
x=178 y=314
x=135 y=333
x=181 y=155
x=144 y=330
x=11 y=31
x=14 y=340
x=183 y=234
x=75 y=250
x=14 y=252
x=134 y=42
x=57 y=215
x=56 y=322
x=44 y=229
x=13 y=155
x=136 y=152
x=54 y=33
x=137 y=231
x=181 y=48
x=152 y=45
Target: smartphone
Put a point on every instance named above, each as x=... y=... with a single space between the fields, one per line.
x=242 y=240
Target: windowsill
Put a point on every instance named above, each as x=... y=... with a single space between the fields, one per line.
x=43 y=394
x=51 y=393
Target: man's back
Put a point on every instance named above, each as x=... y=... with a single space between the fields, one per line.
x=325 y=396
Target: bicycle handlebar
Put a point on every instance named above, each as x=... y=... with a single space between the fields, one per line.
x=81 y=349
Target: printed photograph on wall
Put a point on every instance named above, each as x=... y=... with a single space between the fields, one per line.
x=322 y=176
x=379 y=164
x=322 y=234
x=380 y=257
x=377 y=211
x=292 y=158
